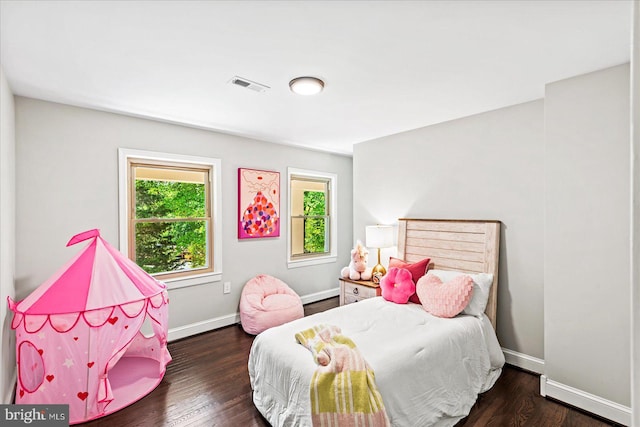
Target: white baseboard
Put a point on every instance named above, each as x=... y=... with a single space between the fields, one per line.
x=564 y=393
x=202 y=326
x=589 y=402
x=219 y=322
x=523 y=361
x=319 y=296
x=9 y=397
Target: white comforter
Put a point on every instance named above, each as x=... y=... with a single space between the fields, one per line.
x=428 y=370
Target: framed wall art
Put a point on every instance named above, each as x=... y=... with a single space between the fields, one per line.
x=258 y=204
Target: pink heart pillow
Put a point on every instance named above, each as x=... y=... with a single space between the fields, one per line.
x=444 y=299
x=397 y=285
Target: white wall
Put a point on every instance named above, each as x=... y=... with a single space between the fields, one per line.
x=488 y=166
x=67 y=175
x=556 y=173
x=586 y=252
x=635 y=215
x=7 y=237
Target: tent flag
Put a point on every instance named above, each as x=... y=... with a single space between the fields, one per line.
x=81 y=237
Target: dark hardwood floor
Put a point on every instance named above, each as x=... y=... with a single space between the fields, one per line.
x=207 y=384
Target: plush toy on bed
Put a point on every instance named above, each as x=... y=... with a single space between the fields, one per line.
x=357 y=269
x=397 y=285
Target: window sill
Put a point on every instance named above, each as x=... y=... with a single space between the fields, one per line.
x=311 y=261
x=195 y=280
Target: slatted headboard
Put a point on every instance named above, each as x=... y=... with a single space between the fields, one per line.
x=471 y=246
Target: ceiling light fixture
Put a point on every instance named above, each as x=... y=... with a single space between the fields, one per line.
x=306 y=85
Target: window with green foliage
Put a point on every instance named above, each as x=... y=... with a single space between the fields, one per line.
x=315 y=217
x=170 y=218
x=310 y=216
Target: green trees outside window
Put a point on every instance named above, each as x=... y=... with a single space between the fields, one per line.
x=315 y=210
x=170 y=225
x=312 y=230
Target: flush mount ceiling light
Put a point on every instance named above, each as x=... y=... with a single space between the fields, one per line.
x=306 y=85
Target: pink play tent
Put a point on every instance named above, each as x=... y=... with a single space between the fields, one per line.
x=78 y=338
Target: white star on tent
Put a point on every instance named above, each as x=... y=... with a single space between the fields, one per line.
x=68 y=363
x=41 y=335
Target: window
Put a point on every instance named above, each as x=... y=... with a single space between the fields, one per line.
x=169 y=217
x=169 y=225
x=312 y=227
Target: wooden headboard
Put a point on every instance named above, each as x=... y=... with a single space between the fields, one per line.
x=471 y=246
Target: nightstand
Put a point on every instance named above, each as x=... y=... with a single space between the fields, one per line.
x=357 y=290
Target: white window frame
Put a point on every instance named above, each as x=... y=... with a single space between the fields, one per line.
x=124 y=155
x=332 y=255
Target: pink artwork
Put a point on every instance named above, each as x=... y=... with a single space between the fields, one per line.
x=258 y=203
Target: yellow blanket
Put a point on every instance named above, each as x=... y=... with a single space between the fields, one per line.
x=343 y=390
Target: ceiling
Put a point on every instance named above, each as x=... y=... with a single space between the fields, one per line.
x=388 y=66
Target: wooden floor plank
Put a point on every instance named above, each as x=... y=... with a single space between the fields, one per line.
x=207 y=384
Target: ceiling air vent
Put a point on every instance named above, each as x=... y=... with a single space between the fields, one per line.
x=248 y=84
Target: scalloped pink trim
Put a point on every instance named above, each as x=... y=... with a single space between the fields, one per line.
x=143 y=306
x=19 y=317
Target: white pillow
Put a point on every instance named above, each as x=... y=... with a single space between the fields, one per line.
x=481 y=287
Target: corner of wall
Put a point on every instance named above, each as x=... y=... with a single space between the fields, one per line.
x=7 y=237
x=593 y=371
x=589 y=402
x=523 y=361
x=635 y=215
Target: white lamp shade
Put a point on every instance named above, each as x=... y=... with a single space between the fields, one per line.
x=379 y=236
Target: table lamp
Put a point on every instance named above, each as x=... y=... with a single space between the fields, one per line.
x=379 y=236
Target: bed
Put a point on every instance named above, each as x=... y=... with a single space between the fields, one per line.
x=428 y=370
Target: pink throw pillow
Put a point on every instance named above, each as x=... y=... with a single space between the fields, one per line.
x=444 y=299
x=397 y=285
x=417 y=269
